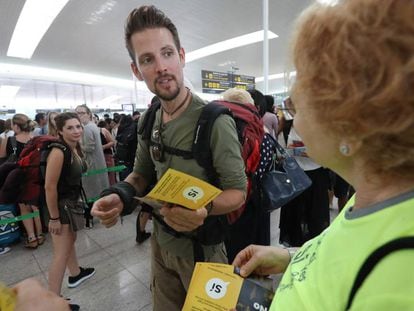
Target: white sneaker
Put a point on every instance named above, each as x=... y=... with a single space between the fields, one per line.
x=4 y=250
x=85 y=273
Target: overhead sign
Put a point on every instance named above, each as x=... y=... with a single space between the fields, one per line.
x=215 y=82
x=6 y=111
x=58 y=110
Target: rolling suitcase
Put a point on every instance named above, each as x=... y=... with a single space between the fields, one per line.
x=9 y=232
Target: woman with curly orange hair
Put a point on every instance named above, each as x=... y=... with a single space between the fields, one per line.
x=354 y=109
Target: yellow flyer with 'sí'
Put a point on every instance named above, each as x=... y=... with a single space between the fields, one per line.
x=213 y=286
x=219 y=287
x=182 y=189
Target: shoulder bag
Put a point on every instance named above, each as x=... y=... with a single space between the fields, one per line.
x=75 y=211
x=283 y=182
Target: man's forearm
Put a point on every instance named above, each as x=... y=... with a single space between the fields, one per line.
x=229 y=200
x=138 y=182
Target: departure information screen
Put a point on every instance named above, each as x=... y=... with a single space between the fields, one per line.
x=215 y=82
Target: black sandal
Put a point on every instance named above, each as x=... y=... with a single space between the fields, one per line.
x=31 y=242
x=41 y=238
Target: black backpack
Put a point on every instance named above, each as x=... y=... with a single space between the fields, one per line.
x=126 y=145
x=29 y=169
x=250 y=133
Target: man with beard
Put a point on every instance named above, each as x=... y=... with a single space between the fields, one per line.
x=158 y=59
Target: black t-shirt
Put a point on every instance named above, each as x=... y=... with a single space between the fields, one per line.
x=9 y=146
x=104 y=142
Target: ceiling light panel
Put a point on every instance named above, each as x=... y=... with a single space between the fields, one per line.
x=34 y=20
x=110 y=99
x=328 y=2
x=275 y=76
x=228 y=45
x=49 y=74
x=8 y=92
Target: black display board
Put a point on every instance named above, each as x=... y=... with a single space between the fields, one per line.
x=215 y=82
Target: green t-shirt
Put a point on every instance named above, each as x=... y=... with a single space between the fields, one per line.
x=321 y=274
x=179 y=133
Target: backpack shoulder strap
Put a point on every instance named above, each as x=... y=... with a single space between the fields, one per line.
x=202 y=135
x=67 y=153
x=148 y=122
x=374 y=258
x=67 y=157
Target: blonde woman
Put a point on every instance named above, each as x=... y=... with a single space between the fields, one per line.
x=13 y=146
x=51 y=124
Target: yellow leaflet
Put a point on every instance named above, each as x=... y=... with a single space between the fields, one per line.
x=213 y=286
x=183 y=189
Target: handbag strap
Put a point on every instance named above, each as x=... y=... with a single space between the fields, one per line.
x=279 y=148
x=83 y=194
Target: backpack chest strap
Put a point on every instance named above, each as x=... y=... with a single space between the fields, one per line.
x=185 y=154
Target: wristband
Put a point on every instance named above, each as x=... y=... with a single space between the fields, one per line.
x=57 y=218
x=126 y=193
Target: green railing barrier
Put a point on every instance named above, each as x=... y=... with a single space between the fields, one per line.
x=104 y=170
x=90 y=200
x=19 y=218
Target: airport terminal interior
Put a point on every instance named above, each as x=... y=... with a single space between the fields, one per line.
x=66 y=71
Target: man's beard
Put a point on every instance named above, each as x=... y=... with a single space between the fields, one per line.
x=164 y=95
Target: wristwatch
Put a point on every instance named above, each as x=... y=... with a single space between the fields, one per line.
x=209 y=208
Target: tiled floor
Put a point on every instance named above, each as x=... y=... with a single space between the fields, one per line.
x=122 y=267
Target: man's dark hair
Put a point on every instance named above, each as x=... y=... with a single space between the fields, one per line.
x=147 y=17
x=39 y=116
x=136 y=113
x=116 y=118
x=108 y=121
x=102 y=123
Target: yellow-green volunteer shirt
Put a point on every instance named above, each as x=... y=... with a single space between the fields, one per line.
x=321 y=274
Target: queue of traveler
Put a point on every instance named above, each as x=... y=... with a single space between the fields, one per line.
x=338 y=117
x=76 y=145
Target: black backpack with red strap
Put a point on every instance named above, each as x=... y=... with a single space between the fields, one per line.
x=250 y=133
